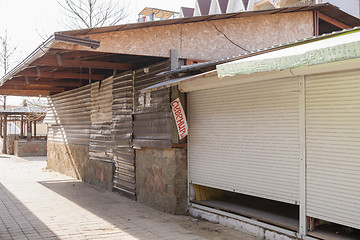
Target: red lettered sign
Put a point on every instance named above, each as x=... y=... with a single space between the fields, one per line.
x=180 y=118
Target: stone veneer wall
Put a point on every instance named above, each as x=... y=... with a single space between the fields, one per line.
x=23 y=148
x=161 y=179
x=73 y=160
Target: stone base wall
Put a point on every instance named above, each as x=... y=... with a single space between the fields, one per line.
x=161 y=179
x=73 y=160
x=23 y=148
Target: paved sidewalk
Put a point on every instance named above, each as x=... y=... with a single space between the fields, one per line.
x=36 y=203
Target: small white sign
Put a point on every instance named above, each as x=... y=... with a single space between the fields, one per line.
x=180 y=118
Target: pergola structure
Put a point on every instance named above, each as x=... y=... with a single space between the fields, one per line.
x=58 y=65
x=26 y=116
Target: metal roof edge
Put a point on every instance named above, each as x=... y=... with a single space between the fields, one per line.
x=260 y=51
x=177 y=81
x=306 y=56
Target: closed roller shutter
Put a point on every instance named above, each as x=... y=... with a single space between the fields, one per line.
x=245 y=138
x=333 y=148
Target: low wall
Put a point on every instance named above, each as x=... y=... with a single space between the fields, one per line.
x=24 y=148
x=73 y=160
x=161 y=179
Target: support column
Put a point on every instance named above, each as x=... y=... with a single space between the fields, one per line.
x=302 y=132
x=22 y=127
x=1 y=126
x=4 y=151
x=34 y=129
x=28 y=135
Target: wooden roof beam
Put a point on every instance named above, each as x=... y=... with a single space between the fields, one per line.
x=61 y=75
x=332 y=21
x=32 y=87
x=25 y=92
x=47 y=82
x=58 y=61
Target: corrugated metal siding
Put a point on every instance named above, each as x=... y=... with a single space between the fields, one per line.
x=124 y=158
x=69 y=116
x=100 y=147
x=245 y=138
x=333 y=148
x=152 y=119
x=101 y=101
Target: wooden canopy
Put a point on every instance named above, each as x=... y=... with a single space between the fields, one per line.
x=52 y=69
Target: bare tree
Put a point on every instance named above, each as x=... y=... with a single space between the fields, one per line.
x=92 y=13
x=7 y=52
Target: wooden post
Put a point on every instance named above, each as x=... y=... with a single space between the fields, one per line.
x=34 y=129
x=5 y=135
x=1 y=126
x=174 y=59
x=28 y=135
x=22 y=126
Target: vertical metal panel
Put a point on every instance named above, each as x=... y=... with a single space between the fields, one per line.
x=333 y=147
x=121 y=133
x=245 y=138
x=100 y=147
x=152 y=119
x=101 y=101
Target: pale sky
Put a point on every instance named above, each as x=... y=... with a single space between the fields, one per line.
x=26 y=20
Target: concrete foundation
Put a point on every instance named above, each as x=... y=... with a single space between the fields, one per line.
x=161 y=179
x=23 y=148
x=73 y=160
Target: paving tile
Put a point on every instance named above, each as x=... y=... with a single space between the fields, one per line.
x=36 y=203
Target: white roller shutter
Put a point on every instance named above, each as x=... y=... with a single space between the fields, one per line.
x=333 y=148
x=245 y=138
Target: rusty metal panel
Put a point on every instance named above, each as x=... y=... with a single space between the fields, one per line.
x=101 y=101
x=100 y=146
x=151 y=102
x=152 y=116
x=121 y=135
x=153 y=130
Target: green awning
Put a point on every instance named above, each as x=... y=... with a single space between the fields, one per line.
x=343 y=47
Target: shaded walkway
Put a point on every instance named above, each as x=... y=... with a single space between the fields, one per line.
x=36 y=203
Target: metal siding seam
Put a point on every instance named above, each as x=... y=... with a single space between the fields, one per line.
x=302 y=137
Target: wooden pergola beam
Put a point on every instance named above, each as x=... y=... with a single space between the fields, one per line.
x=58 y=61
x=332 y=21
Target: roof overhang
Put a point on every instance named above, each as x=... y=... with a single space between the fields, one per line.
x=334 y=54
x=327 y=9
x=58 y=65
x=343 y=47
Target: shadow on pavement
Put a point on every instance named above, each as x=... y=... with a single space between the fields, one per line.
x=108 y=206
x=17 y=221
x=35 y=159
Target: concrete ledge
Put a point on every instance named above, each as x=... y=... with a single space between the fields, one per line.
x=23 y=148
x=243 y=224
